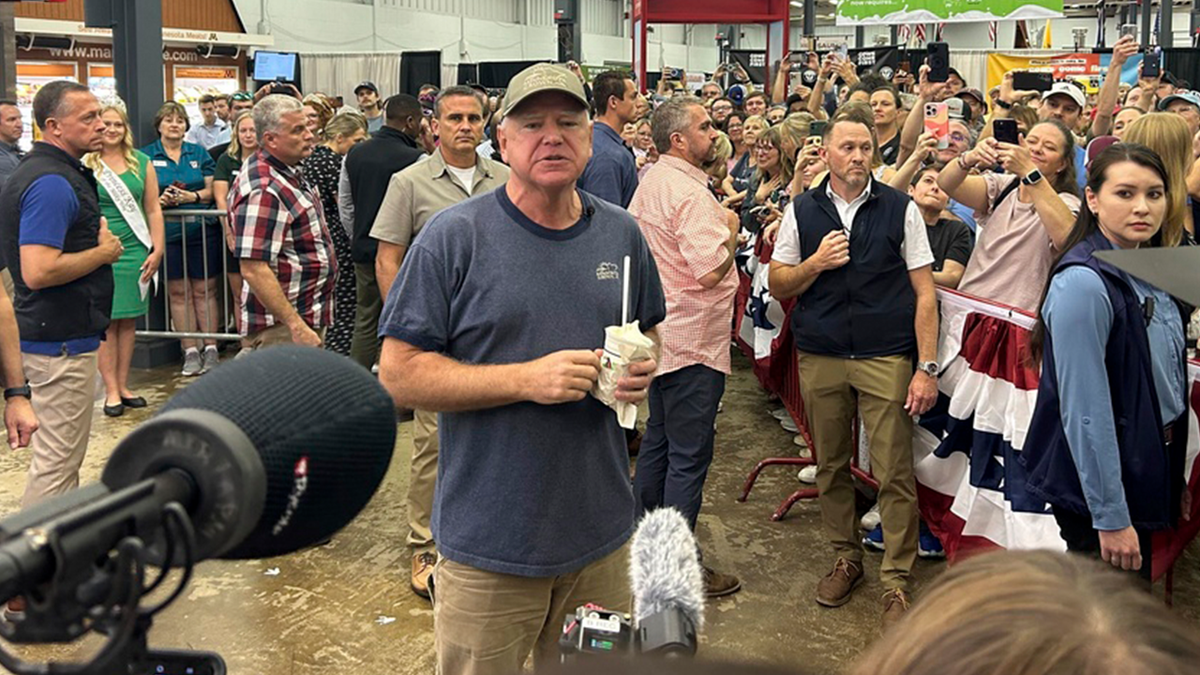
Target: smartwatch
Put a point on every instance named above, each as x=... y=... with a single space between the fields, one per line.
x=25 y=391
x=1031 y=177
x=930 y=368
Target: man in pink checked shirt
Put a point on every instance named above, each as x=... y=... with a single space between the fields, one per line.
x=692 y=238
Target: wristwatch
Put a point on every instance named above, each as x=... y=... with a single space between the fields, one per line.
x=25 y=391
x=1003 y=104
x=1031 y=177
x=930 y=368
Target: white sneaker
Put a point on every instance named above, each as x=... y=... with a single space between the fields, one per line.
x=789 y=425
x=780 y=414
x=191 y=363
x=808 y=474
x=870 y=519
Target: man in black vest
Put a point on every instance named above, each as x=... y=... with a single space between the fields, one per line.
x=60 y=253
x=369 y=167
x=855 y=254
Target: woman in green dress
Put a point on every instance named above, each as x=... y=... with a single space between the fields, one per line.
x=128 y=190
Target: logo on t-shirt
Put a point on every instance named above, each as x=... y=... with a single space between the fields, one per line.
x=607 y=270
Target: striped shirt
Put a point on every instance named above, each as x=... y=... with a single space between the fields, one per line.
x=687 y=230
x=277 y=217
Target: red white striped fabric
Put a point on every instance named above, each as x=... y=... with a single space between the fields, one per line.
x=992 y=32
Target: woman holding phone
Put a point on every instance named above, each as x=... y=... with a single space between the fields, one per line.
x=1023 y=215
x=185 y=176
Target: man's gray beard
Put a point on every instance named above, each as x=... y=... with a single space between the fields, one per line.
x=855 y=183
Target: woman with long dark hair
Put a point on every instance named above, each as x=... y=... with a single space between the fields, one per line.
x=1107 y=440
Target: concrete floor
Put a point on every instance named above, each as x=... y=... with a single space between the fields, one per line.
x=346 y=608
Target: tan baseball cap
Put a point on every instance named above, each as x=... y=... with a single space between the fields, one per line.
x=539 y=78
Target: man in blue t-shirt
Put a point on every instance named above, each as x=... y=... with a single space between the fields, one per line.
x=611 y=173
x=60 y=252
x=496 y=321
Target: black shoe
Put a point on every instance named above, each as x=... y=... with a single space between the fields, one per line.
x=114 y=410
x=135 y=402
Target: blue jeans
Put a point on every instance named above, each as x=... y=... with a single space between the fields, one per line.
x=677 y=447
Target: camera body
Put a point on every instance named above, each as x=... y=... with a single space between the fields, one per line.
x=593 y=631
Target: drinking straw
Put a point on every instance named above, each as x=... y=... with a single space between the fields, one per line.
x=625 y=293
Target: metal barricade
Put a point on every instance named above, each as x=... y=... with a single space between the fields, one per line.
x=214 y=318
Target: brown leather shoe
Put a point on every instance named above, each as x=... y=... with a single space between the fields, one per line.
x=718 y=584
x=422 y=568
x=895 y=606
x=834 y=590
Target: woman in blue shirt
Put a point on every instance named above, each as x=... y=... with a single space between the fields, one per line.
x=185 y=176
x=1107 y=439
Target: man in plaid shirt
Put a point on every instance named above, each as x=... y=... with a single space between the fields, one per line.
x=279 y=234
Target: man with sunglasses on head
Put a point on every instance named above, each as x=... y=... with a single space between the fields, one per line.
x=238 y=102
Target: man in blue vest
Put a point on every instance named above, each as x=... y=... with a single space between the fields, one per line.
x=856 y=256
x=61 y=253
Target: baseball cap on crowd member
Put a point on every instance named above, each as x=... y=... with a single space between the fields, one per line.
x=542 y=77
x=955 y=73
x=1188 y=95
x=1098 y=145
x=366 y=84
x=1069 y=90
x=973 y=93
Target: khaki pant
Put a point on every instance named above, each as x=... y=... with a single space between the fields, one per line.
x=422 y=480
x=64 y=398
x=829 y=386
x=278 y=334
x=486 y=623
x=364 y=346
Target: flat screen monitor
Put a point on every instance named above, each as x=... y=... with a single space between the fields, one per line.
x=275 y=66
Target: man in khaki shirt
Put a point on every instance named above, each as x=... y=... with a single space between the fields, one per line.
x=450 y=175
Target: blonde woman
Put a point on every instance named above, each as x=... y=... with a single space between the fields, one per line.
x=323 y=167
x=718 y=167
x=769 y=191
x=129 y=201
x=1034 y=613
x=743 y=169
x=242 y=144
x=1168 y=136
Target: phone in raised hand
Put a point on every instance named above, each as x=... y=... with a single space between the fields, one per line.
x=1005 y=131
x=937 y=123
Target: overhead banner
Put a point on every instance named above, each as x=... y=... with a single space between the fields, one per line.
x=875 y=12
x=1088 y=69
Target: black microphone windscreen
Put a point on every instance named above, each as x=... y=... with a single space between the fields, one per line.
x=325 y=430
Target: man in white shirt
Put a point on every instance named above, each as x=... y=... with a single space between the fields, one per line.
x=856 y=254
x=213 y=130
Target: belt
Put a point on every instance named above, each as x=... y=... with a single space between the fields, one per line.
x=1169 y=434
